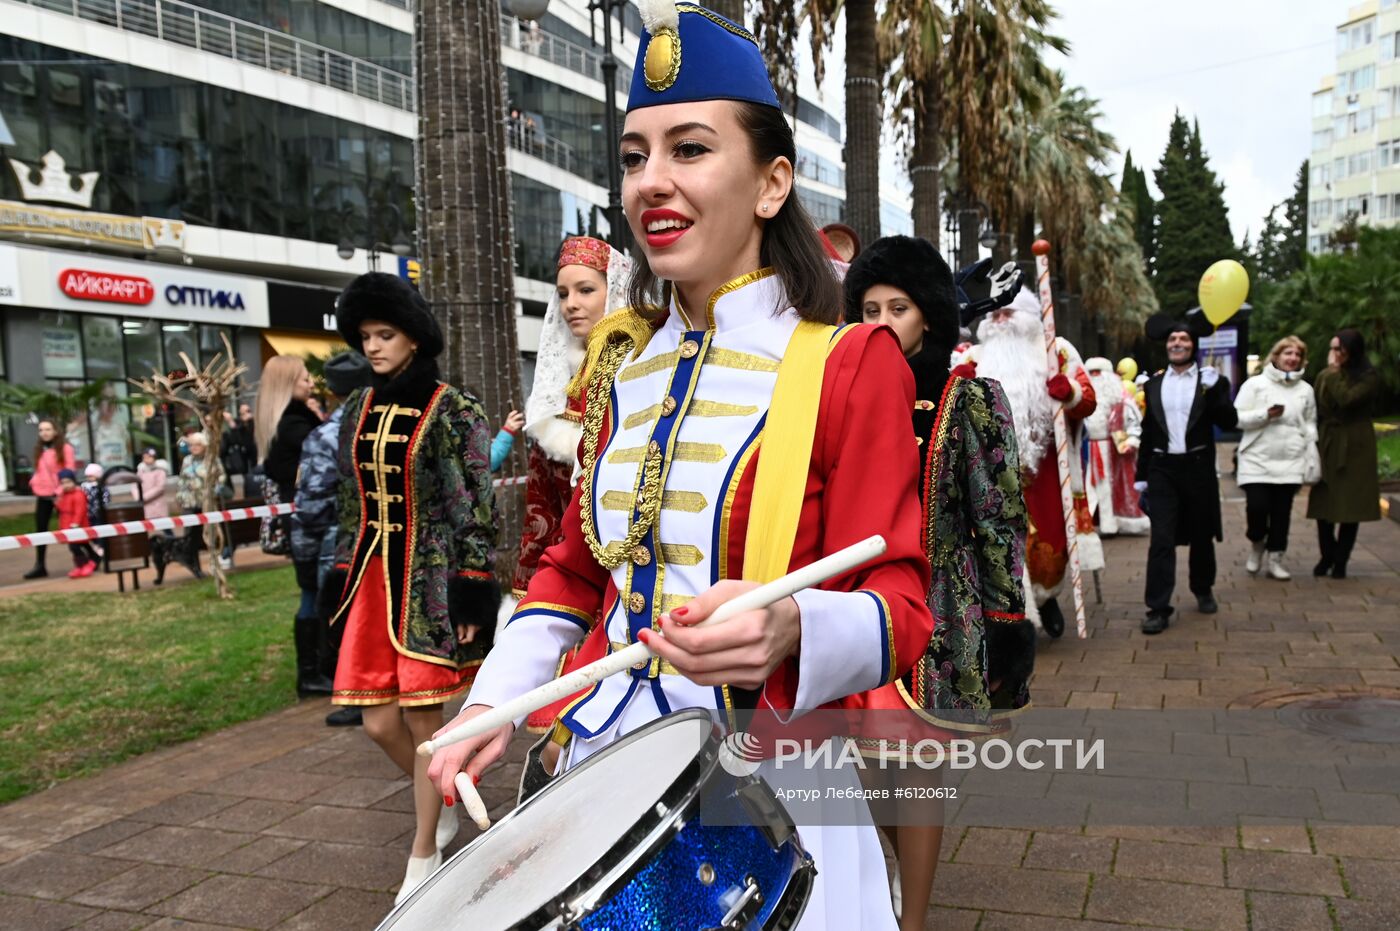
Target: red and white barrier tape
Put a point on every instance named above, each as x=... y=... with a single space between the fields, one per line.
x=80 y=534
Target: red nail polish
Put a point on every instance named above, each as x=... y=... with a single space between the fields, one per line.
x=476 y=780
x=644 y=636
x=447 y=800
x=679 y=612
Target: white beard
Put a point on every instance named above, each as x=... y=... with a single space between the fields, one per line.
x=1013 y=353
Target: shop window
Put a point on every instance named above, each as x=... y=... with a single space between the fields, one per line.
x=102 y=348
x=62 y=346
x=180 y=338
x=142 y=339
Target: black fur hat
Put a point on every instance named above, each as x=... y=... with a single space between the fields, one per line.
x=381 y=296
x=914 y=266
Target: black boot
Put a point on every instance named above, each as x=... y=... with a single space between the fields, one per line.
x=1343 y=553
x=310 y=680
x=1052 y=618
x=345 y=717
x=38 y=572
x=1327 y=546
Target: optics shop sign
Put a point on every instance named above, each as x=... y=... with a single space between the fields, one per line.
x=147 y=289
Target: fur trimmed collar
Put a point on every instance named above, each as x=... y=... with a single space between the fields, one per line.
x=413 y=387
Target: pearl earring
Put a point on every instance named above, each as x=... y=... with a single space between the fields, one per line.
x=765 y=208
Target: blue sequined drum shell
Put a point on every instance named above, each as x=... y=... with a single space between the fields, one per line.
x=651 y=834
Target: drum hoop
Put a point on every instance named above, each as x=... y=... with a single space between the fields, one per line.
x=653 y=831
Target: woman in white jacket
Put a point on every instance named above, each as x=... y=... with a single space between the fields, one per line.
x=1278 y=416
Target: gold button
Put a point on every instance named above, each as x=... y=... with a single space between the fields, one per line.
x=668 y=407
x=641 y=556
x=689 y=348
x=636 y=602
x=654 y=448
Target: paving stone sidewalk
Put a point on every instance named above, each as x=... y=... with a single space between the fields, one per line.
x=283 y=823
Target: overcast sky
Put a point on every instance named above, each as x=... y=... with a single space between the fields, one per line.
x=1245 y=68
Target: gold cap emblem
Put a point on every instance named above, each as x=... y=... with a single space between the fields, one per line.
x=662 y=64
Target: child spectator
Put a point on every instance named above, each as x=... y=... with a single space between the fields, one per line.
x=505 y=439
x=98 y=497
x=73 y=514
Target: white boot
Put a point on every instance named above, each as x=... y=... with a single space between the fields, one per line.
x=1276 y=570
x=1256 y=554
x=419 y=869
x=447 y=827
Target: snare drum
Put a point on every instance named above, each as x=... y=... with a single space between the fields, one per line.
x=651 y=834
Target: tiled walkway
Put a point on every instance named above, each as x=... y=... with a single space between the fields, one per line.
x=283 y=823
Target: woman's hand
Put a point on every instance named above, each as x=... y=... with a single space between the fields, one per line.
x=514 y=421
x=1334 y=359
x=469 y=756
x=741 y=652
x=1276 y=411
x=466 y=633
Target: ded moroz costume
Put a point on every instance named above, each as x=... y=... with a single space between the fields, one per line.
x=1114 y=433
x=1012 y=352
x=726 y=441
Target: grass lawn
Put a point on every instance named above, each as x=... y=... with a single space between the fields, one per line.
x=1388 y=453
x=92 y=679
x=12 y=524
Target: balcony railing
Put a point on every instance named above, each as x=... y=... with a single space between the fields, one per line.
x=207 y=31
x=524 y=136
x=562 y=52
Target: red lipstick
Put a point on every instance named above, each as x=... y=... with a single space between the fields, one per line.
x=666 y=237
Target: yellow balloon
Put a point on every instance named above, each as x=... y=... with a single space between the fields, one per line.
x=1223 y=289
x=1128 y=369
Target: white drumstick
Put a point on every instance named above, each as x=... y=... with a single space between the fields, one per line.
x=476 y=808
x=813 y=574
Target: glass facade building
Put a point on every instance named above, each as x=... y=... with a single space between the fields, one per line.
x=180 y=149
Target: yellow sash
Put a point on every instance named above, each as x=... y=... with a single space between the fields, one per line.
x=788 y=435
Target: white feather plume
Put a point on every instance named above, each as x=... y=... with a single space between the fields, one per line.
x=659 y=14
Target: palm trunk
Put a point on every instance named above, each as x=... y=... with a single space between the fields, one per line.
x=923 y=172
x=464 y=205
x=732 y=10
x=863 y=113
x=969 y=227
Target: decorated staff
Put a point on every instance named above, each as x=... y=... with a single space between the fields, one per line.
x=1041 y=248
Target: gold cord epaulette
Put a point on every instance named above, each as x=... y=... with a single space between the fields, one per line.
x=611 y=355
x=637 y=325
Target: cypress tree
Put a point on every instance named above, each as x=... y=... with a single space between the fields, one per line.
x=1135 y=193
x=1193 y=226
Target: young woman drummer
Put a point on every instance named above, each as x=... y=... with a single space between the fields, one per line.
x=728 y=436
x=416 y=596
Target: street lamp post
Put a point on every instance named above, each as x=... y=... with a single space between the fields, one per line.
x=533 y=10
x=399 y=244
x=617 y=224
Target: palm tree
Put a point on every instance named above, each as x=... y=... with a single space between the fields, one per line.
x=464 y=201
x=776 y=25
x=911 y=37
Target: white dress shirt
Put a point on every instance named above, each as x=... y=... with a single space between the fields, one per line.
x=1178 y=394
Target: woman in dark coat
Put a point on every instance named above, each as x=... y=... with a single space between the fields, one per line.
x=282 y=422
x=1349 y=491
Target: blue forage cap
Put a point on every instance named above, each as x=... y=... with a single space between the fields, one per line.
x=688 y=53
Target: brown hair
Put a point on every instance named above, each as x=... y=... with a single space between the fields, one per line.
x=790 y=242
x=56 y=444
x=1294 y=341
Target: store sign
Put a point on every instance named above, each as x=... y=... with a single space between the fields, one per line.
x=103 y=286
x=62 y=352
x=182 y=296
x=158 y=290
x=139 y=234
x=11 y=291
